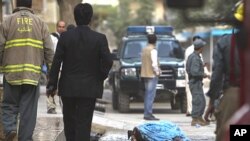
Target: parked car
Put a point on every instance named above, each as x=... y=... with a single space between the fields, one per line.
x=124 y=77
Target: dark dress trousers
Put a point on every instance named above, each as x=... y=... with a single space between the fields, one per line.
x=86 y=62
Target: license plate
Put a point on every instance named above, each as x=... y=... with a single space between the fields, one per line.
x=160 y=87
x=180 y=83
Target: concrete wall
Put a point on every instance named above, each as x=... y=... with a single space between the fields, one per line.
x=48 y=12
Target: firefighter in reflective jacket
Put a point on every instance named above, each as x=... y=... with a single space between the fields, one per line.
x=25 y=44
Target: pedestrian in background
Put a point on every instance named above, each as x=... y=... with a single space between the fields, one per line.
x=195 y=71
x=25 y=44
x=60 y=28
x=86 y=63
x=226 y=75
x=189 y=51
x=150 y=71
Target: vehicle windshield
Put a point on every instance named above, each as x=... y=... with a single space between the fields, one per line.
x=166 y=49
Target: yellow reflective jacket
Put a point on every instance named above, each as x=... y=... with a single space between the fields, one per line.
x=25 y=45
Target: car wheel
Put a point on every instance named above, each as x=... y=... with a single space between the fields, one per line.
x=114 y=99
x=174 y=102
x=183 y=102
x=124 y=102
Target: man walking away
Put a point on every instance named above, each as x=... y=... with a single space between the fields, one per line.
x=25 y=44
x=86 y=63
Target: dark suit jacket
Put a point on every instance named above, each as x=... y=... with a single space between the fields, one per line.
x=86 y=61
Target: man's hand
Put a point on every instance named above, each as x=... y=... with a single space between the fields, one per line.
x=209 y=112
x=50 y=91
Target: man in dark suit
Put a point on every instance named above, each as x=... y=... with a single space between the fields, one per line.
x=86 y=61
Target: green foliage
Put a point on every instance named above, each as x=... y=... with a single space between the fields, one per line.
x=120 y=20
x=101 y=13
x=224 y=7
x=144 y=13
x=121 y=17
x=213 y=9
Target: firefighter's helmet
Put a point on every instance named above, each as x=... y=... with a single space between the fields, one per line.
x=238 y=11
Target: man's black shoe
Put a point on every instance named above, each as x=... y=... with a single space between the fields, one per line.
x=10 y=136
x=151 y=118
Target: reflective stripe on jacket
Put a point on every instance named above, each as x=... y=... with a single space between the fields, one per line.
x=24 y=42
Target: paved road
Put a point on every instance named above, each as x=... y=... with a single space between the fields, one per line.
x=48 y=126
x=162 y=110
x=114 y=124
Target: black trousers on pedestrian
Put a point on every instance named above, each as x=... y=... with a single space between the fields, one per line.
x=77 y=117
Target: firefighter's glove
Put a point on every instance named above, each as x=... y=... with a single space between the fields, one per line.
x=50 y=91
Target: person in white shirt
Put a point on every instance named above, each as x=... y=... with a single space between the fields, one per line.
x=60 y=28
x=150 y=71
x=189 y=51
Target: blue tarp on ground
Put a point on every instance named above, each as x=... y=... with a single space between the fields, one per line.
x=161 y=131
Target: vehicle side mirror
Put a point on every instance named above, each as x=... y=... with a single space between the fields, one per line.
x=185 y=3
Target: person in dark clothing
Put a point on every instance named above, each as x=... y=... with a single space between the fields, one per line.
x=195 y=71
x=220 y=81
x=86 y=61
x=226 y=76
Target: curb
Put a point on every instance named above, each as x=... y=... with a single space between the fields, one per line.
x=101 y=125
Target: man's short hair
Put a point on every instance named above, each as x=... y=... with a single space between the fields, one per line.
x=152 y=38
x=70 y=27
x=83 y=13
x=57 y=23
x=24 y=3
